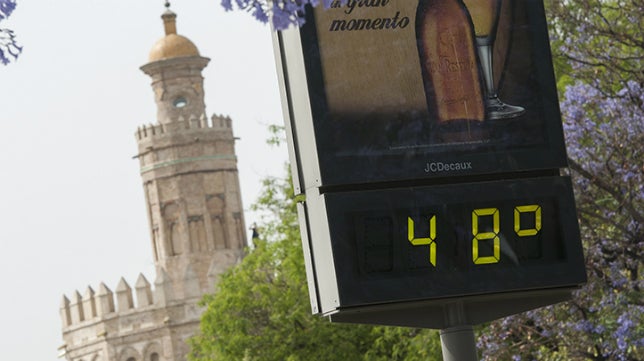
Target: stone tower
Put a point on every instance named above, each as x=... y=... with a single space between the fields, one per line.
x=189 y=167
x=191 y=185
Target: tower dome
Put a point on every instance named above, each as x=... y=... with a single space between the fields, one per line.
x=172 y=45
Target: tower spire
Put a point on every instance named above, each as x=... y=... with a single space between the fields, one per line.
x=169 y=20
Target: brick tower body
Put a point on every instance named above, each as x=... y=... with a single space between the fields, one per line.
x=191 y=185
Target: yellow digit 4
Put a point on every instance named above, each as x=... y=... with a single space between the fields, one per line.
x=411 y=236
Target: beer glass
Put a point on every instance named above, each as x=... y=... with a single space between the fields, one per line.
x=485 y=16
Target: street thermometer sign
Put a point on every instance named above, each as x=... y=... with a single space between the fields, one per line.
x=427 y=139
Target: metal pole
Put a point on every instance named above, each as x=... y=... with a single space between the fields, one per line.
x=457 y=338
x=457 y=344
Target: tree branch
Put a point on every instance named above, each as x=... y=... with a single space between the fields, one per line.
x=608 y=188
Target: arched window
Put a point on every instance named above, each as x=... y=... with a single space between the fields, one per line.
x=154 y=356
x=129 y=354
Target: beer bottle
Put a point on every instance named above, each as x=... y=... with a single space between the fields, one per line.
x=450 y=70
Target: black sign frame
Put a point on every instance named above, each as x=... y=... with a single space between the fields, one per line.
x=342 y=167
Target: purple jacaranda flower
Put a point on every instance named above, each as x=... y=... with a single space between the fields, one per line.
x=9 y=48
x=6 y=8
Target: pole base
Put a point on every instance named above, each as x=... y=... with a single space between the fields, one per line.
x=458 y=344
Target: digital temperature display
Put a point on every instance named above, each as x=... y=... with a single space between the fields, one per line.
x=418 y=243
x=451 y=237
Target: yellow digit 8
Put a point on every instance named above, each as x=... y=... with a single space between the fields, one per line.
x=482 y=236
x=411 y=235
x=537 y=220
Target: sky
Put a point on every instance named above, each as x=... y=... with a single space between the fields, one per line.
x=72 y=209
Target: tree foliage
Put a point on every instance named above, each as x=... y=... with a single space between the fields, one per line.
x=261 y=310
x=601 y=43
x=599 y=50
x=8 y=46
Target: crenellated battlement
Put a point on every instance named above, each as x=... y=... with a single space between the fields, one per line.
x=216 y=122
x=100 y=317
x=97 y=306
x=105 y=316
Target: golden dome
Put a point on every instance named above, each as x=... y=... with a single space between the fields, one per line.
x=172 y=45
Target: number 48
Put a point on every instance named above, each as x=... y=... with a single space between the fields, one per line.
x=477 y=234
